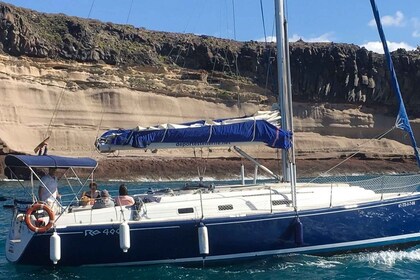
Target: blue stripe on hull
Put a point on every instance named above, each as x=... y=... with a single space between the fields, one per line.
x=328 y=231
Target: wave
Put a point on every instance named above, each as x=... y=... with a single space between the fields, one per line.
x=390 y=258
x=11 y=180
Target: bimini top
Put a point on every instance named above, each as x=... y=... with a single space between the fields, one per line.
x=48 y=161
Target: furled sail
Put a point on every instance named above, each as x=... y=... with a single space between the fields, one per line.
x=260 y=128
x=402 y=121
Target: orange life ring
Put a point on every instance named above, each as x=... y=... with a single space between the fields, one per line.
x=36 y=207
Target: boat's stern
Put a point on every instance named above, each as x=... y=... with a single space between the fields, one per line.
x=18 y=238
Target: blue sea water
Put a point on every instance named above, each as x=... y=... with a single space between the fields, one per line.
x=376 y=265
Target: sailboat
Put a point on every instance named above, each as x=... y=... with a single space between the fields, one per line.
x=207 y=223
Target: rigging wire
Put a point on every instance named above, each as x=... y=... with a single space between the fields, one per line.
x=225 y=60
x=234 y=19
x=380 y=136
x=91 y=8
x=185 y=30
x=186 y=55
x=201 y=168
x=217 y=47
x=235 y=55
x=129 y=11
x=203 y=7
x=263 y=21
x=180 y=50
x=55 y=112
x=57 y=105
x=269 y=59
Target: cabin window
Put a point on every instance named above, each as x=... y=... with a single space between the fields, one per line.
x=185 y=210
x=225 y=207
x=280 y=202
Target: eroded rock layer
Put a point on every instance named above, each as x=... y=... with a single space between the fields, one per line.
x=73 y=78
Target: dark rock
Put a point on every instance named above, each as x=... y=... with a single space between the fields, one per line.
x=321 y=72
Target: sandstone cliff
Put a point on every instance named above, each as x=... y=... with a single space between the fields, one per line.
x=73 y=78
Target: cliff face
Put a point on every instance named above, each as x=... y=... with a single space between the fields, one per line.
x=321 y=72
x=83 y=76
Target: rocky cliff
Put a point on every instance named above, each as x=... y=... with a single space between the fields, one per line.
x=73 y=78
x=321 y=72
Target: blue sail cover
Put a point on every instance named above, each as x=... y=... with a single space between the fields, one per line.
x=196 y=134
x=402 y=121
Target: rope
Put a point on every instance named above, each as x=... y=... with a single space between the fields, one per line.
x=201 y=174
x=254 y=130
x=164 y=135
x=210 y=133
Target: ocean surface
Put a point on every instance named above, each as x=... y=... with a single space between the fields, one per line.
x=377 y=265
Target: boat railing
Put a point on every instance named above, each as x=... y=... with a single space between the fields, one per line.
x=199 y=205
x=381 y=184
x=202 y=203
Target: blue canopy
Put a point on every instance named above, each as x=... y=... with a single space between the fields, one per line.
x=199 y=135
x=48 y=161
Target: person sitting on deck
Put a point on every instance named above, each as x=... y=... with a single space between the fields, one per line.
x=91 y=196
x=104 y=201
x=124 y=199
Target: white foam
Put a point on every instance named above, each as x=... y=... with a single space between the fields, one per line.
x=11 y=180
x=389 y=258
x=323 y=263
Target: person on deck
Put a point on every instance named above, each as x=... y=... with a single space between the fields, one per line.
x=124 y=199
x=104 y=202
x=90 y=196
x=48 y=189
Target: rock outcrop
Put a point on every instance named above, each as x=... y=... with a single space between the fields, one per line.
x=321 y=72
x=73 y=78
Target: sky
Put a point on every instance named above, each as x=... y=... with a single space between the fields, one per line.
x=341 y=21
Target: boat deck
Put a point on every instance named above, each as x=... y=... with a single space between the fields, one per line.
x=226 y=201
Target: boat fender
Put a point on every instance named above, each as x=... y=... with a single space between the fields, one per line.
x=124 y=237
x=298 y=232
x=203 y=239
x=39 y=228
x=55 y=247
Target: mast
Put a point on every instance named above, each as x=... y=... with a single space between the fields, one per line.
x=281 y=79
x=285 y=95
